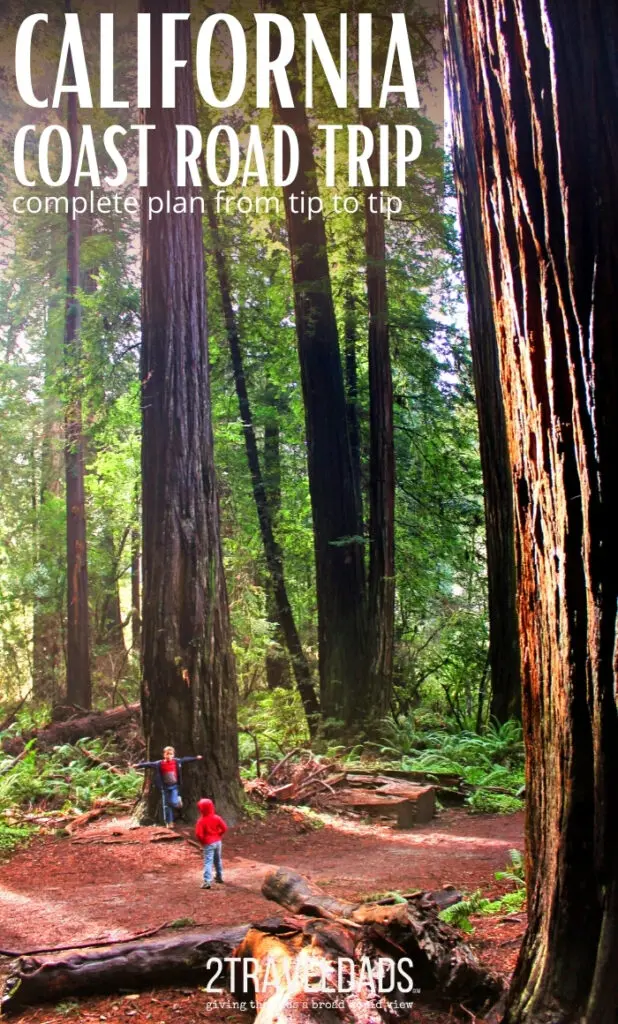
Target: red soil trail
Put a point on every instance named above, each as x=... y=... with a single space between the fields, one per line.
x=57 y=891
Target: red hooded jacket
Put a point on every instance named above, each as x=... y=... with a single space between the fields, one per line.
x=210 y=826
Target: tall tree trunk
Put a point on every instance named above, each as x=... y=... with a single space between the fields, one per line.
x=110 y=633
x=79 y=689
x=272 y=552
x=495 y=461
x=136 y=590
x=543 y=78
x=189 y=685
x=277 y=664
x=340 y=579
x=381 y=591
x=351 y=395
x=48 y=660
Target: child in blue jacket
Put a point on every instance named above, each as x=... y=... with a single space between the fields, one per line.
x=168 y=780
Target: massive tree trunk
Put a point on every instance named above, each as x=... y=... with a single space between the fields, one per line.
x=79 y=689
x=544 y=85
x=338 y=550
x=381 y=592
x=272 y=551
x=495 y=462
x=189 y=685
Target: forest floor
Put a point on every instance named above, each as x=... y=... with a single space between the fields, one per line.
x=111 y=881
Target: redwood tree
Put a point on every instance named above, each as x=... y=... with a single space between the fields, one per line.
x=334 y=491
x=381 y=590
x=264 y=506
x=497 y=483
x=543 y=81
x=48 y=655
x=79 y=688
x=189 y=686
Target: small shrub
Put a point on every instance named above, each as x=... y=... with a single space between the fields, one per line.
x=12 y=836
x=484 y=802
x=254 y=810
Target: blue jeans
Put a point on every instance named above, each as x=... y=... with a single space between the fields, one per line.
x=170 y=798
x=212 y=852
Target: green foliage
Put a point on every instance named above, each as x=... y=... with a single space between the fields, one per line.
x=311 y=819
x=390 y=896
x=483 y=802
x=460 y=913
x=511 y=902
x=492 y=762
x=275 y=720
x=253 y=810
x=12 y=836
x=515 y=870
x=68 y=1008
x=65 y=778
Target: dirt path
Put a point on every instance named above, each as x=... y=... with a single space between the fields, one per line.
x=59 y=891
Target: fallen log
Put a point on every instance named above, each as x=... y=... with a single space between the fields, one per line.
x=300 y=971
x=413 y=805
x=175 y=959
x=93 y=724
x=443 y=967
x=299 y=894
x=448 y=779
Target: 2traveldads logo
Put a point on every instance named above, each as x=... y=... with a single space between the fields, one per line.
x=325 y=983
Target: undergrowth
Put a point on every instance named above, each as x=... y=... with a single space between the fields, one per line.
x=460 y=913
x=273 y=723
x=67 y=780
x=492 y=762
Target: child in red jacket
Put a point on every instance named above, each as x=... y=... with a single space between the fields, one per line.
x=209 y=830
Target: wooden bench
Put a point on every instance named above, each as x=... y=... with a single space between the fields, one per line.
x=415 y=806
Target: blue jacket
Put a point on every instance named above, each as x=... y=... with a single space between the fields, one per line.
x=157 y=767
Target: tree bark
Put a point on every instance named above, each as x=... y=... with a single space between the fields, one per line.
x=381 y=591
x=340 y=579
x=544 y=85
x=189 y=684
x=495 y=461
x=79 y=688
x=178 y=959
x=272 y=551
